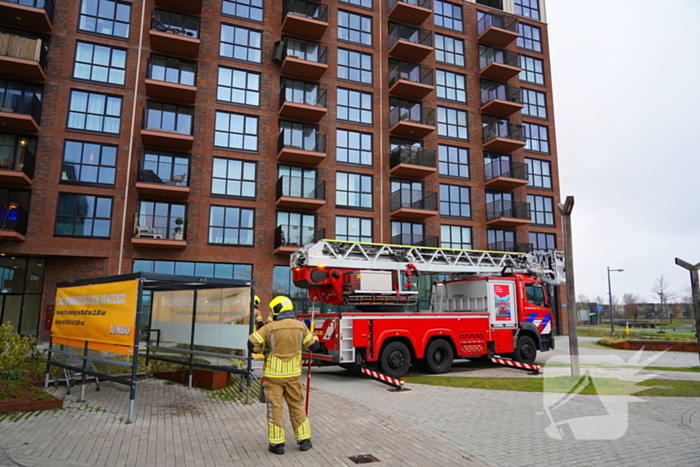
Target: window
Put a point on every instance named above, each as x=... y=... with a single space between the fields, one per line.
x=452 y=123
x=297 y=182
x=238 y=87
x=89 y=163
x=542 y=241
x=247 y=9
x=354 y=28
x=160 y=218
x=236 y=131
x=240 y=43
x=362 y=3
x=282 y=284
x=530 y=37
x=169 y=117
x=105 y=17
x=164 y=167
x=83 y=215
x=448 y=15
x=407 y=233
x=536 y=138
x=353 y=190
x=100 y=63
x=194 y=268
x=541 y=209
x=172 y=70
x=497 y=165
x=449 y=50
x=455 y=201
x=297 y=229
x=92 y=111
x=302 y=136
x=539 y=173
x=354 y=106
x=535 y=294
x=353 y=147
x=535 y=103
x=451 y=86
x=528 y=8
x=18 y=97
x=354 y=66
x=453 y=161
x=532 y=70
x=230 y=225
x=500 y=240
x=353 y=229
x=455 y=236
x=231 y=177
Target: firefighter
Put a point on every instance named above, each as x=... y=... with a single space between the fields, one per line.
x=284 y=339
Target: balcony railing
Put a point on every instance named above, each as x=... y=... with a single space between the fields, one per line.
x=22 y=104
x=305 y=9
x=403 y=32
x=165 y=174
x=17 y=159
x=503 y=130
x=414 y=240
x=505 y=168
x=302 y=50
x=410 y=72
x=47 y=5
x=413 y=199
x=25 y=47
x=513 y=247
x=304 y=140
x=305 y=94
x=497 y=21
x=490 y=55
x=181 y=123
x=427 y=4
x=413 y=155
x=300 y=187
x=174 y=23
x=492 y=91
x=172 y=70
x=159 y=227
x=14 y=219
x=509 y=209
x=415 y=114
x=297 y=236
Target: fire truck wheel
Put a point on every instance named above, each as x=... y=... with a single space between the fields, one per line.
x=439 y=356
x=396 y=359
x=526 y=351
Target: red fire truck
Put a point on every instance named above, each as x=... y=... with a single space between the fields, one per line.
x=494 y=303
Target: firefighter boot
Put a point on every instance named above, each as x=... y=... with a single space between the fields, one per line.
x=277 y=448
x=305 y=445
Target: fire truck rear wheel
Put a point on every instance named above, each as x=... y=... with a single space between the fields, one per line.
x=395 y=360
x=526 y=351
x=439 y=356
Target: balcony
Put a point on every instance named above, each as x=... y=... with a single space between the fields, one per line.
x=409 y=43
x=191 y=7
x=498 y=64
x=414 y=240
x=170 y=79
x=301 y=59
x=165 y=128
x=32 y=15
x=415 y=122
x=152 y=231
x=303 y=101
x=171 y=183
x=301 y=147
x=409 y=80
x=510 y=247
x=413 y=204
x=500 y=99
x=505 y=175
x=410 y=161
x=304 y=18
x=289 y=238
x=413 y=12
x=13 y=223
x=174 y=34
x=16 y=166
x=300 y=194
x=22 y=114
x=496 y=30
x=503 y=137
x=507 y=214
x=22 y=57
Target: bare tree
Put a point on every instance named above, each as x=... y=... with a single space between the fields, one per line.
x=662 y=290
x=631 y=304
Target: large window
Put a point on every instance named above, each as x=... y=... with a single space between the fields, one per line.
x=354 y=106
x=530 y=37
x=456 y=236
x=246 y=9
x=354 y=66
x=172 y=70
x=452 y=123
x=169 y=117
x=535 y=103
x=541 y=209
x=236 y=131
x=354 y=28
x=297 y=182
x=353 y=147
x=532 y=70
x=282 y=284
x=165 y=167
x=353 y=190
x=449 y=50
x=100 y=63
x=92 y=111
x=451 y=86
x=162 y=218
x=297 y=229
x=455 y=201
x=240 y=43
x=231 y=177
x=500 y=240
x=453 y=161
x=22 y=281
x=105 y=17
x=195 y=268
x=231 y=226
x=89 y=163
x=353 y=229
x=448 y=15
x=407 y=233
x=528 y=8
x=536 y=137
x=83 y=215
x=238 y=86
x=543 y=241
x=539 y=173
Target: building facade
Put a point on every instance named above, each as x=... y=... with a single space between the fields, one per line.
x=214 y=137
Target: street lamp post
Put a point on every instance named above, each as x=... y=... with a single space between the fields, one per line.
x=565 y=211
x=661 y=305
x=612 y=321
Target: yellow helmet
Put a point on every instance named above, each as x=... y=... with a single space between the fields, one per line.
x=280 y=304
x=256 y=301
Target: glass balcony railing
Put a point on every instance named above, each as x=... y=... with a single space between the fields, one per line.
x=297 y=92
x=23 y=103
x=305 y=9
x=513 y=247
x=507 y=208
x=17 y=159
x=168 y=118
x=300 y=187
x=503 y=130
x=410 y=72
x=505 y=168
x=413 y=155
x=414 y=114
x=413 y=199
x=488 y=55
x=305 y=140
x=427 y=4
x=175 y=23
x=487 y=20
x=47 y=5
x=404 y=32
x=172 y=70
x=297 y=236
x=414 y=240
x=492 y=91
x=300 y=49
x=165 y=173
x=160 y=227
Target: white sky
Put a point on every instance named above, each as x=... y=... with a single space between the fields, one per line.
x=626 y=77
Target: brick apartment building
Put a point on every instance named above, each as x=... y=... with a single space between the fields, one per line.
x=213 y=137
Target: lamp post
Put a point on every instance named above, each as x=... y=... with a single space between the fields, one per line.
x=661 y=305
x=695 y=291
x=565 y=211
x=612 y=321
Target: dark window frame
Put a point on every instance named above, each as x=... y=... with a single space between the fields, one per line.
x=540 y=213
x=92 y=65
x=243 y=134
x=347 y=107
x=530 y=72
x=249 y=33
x=349 y=30
x=98 y=19
x=225 y=227
x=538 y=109
x=535 y=173
x=445 y=161
x=226 y=179
x=447 y=192
x=98 y=167
x=251 y=5
x=538 y=142
x=530 y=37
x=362 y=223
x=362 y=183
x=528 y=8
x=76 y=217
x=450 y=56
x=231 y=88
x=358 y=70
x=451 y=243
x=441 y=19
x=459 y=91
x=103 y=115
x=349 y=150
x=449 y=124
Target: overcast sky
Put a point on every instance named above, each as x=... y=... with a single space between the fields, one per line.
x=626 y=77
